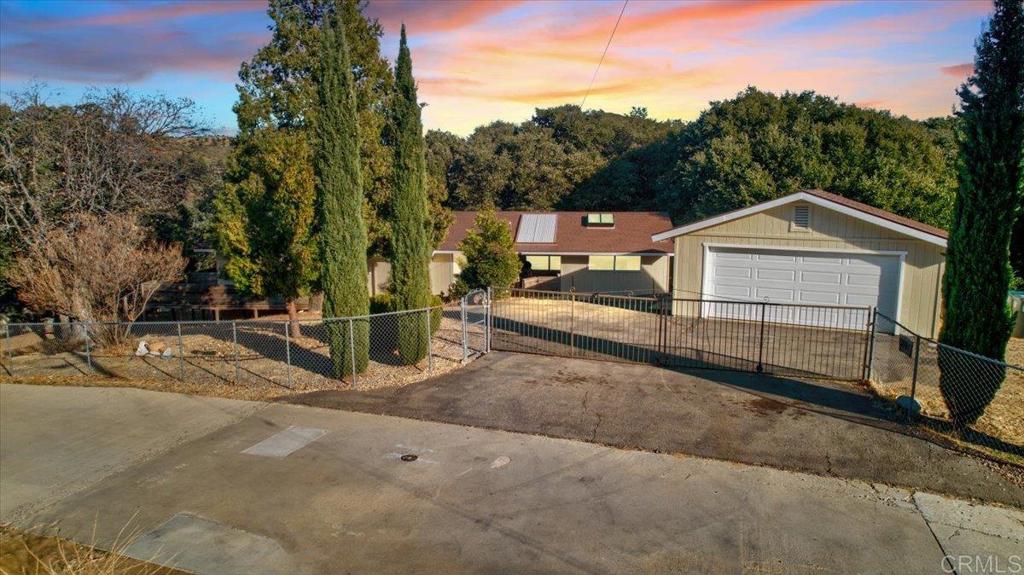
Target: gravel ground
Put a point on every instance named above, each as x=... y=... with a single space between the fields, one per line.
x=267 y=363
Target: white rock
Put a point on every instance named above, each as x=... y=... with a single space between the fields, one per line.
x=167 y=354
x=142 y=349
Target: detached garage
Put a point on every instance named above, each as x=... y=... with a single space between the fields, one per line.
x=814 y=248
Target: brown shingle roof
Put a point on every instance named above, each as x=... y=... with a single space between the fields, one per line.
x=630 y=234
x=878 y=212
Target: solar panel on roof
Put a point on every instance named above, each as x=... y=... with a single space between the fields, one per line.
x=537 y=229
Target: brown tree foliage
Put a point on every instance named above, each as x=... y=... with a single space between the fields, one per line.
x=99 y=269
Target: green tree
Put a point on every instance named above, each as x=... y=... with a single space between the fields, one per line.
x=489 y=254
x=760 y=146
x=342 y=232
x=410 y=223
x=977 y=269
x=264 y=217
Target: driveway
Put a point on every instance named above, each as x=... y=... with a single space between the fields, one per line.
x=292 y=489
x=625 y=329
x=830 y=429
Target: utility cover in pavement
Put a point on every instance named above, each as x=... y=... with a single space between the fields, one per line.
x=286 y=442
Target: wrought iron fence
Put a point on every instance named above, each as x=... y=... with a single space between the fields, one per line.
x=977 y=400
x=690 y=333
x=398 y=347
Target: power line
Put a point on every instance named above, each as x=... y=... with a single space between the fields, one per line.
x=601 y=61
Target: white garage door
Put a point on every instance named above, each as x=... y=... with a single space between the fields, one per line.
x=799 y=277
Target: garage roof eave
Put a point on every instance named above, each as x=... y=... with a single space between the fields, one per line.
x=811 y=199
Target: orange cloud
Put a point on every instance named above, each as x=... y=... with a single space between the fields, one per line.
x=958 y=70
x=423 y=17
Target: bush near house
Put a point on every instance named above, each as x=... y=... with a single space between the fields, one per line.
x=490 y=258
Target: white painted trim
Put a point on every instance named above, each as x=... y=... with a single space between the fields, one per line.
x=802 y=249
x=899 y=289
x=798 y=197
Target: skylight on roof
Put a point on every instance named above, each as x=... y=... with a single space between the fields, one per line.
x=537 y=229
x=600 y=220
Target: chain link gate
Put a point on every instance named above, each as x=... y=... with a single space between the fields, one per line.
x=475 y=310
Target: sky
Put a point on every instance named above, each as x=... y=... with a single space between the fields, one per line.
x=477 y=61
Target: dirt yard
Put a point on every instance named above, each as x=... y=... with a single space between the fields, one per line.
x=247 y=359
x=892 y=375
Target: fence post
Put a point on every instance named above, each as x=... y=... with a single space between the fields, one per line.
x=430 y=356
x=8 y=348
x=288 y=350
x=181 y=354
x=572 y=321
x=488 y=321
x=465 y=332
x=869 y=345
x=760 y=343
x=234 y=345
x=352 y=349
x=917 y=361
x=88 y=349
x=662 y=352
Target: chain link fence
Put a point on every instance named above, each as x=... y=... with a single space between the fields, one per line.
x=371 y=351
x=976 y=400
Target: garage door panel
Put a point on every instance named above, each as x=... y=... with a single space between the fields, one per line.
x=819 y=297
x=812 y=278
x=780 y=295
x=733 y=292
x=866 y=280
x=732 y=272
x=776 y=275
x=822 y=260
x=866 y=300
x=775 y=258
x=830 y=278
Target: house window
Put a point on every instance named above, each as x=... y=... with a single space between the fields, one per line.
x=545 y=263
x=801 y=218
x=600 y=220
x=615 y=263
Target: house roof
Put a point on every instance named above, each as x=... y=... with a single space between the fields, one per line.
x=631 y=233
x=852 y=208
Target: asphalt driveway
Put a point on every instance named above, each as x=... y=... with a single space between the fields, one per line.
x=830 y=429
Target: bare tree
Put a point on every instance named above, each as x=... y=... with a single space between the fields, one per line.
x=113 y=152
x=95 y=270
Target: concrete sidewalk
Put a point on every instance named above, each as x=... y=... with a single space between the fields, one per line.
x=57 y=441
x=293 y=489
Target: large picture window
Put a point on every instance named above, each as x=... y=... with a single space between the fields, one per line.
x=614 y=263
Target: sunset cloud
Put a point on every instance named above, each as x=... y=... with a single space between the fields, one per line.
x=482 y=60
x=958 y=70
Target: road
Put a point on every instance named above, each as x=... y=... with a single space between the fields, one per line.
x=220 y=486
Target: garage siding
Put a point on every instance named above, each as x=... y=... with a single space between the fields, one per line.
x=919 y=305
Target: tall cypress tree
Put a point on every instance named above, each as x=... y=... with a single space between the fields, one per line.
x=410 y=220
x=342 y=231
x=977 y=270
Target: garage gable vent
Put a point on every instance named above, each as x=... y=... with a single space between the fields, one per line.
x=801 y=218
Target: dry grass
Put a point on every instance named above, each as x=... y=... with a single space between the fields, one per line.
x=27 y=553
x=1003 y=418
x=169 y=385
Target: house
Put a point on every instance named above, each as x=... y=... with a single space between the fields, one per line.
x=814 y=247
x=591 y=252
